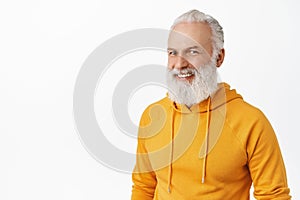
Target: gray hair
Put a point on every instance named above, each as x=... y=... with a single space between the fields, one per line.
x=216 y=28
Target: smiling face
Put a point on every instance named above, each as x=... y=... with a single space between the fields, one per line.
x=189 y=47
x=191 y=74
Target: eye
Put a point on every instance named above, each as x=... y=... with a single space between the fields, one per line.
x=193 y=52
x=172 y=52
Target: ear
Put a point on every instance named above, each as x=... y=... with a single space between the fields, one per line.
x=221 y=57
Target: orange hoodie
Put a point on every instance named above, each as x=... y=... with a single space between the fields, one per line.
x=213 y=150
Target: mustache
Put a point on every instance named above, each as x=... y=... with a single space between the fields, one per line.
x=183 y=71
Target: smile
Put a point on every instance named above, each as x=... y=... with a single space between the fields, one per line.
x=185 y=75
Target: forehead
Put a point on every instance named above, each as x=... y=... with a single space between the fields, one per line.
x=190 y=34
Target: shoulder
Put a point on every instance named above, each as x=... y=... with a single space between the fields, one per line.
x=247 y=121
x=239 y=109
x=156 y=110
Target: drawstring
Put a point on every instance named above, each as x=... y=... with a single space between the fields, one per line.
x=205 y=144
x=206 y=141
x=171 y=152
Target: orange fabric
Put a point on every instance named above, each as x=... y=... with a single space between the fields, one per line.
x=241 y=148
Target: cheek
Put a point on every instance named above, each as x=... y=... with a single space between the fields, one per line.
x=170 y=63
x=198 y=61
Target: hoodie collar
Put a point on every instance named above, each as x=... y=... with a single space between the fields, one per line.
x=223 y=95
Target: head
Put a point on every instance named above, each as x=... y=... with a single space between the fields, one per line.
x=195 y=50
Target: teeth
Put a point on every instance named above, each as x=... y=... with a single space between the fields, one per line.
x=184 y=75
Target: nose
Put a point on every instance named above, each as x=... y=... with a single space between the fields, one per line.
x=180 y=62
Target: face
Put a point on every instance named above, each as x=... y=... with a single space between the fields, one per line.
x=191 y=74
x=189 y=47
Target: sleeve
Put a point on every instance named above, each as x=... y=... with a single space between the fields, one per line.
x=265 y=163
x=143 y=177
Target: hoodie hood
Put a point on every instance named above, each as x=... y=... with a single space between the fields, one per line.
x=214 y=122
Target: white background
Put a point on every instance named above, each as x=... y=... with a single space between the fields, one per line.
x=44 y=43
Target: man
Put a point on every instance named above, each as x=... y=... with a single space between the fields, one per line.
x=203 y=141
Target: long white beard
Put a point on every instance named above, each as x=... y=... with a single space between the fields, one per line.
x=204 y=84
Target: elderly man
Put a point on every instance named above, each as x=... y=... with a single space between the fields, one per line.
x=203 y=141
